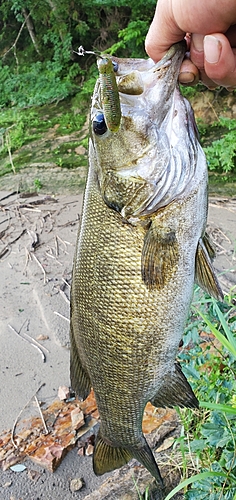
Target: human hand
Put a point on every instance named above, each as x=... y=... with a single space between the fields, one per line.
x=212 y=44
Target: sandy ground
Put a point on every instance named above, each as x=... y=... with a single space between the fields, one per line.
x=37 y=242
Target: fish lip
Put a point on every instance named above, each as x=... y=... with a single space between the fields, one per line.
x=167 y=69
x=177 y=51
x=162 y=74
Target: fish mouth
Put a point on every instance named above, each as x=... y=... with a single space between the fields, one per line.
x=151 y=159
x=145 y=73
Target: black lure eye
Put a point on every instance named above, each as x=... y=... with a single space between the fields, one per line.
x=99 y=124
x=115 y=66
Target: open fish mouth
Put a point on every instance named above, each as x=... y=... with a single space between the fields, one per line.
x=155 y=147
x=145 y=73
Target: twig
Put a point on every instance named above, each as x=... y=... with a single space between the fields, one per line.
x=31 y=209
x=61 y=316
x=18 y=416
x=11 y=243
x=63 y=243
x=53 y=257
x=8 y=195
x=36 y=342
x=5 y=220
x=66 y=282
x=4 y=251
x=41 y=414
x=8 y=144
x=28 y=257
x=41 y=267
x=31 y=343
x=214 y=111
x=64 y=296
x=56 y=246
x=39 y=201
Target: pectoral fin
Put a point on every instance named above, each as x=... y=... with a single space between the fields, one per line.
x=205 y=275
x=107 y=457
x=175 y=391
x=160 y=255
x=80 y=380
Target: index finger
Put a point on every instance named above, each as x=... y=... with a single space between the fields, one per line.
x=163 y=32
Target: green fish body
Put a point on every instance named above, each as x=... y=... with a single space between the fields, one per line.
x=140 y=247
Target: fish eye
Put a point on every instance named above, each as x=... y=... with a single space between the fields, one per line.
x=99 y=124
x=115 y=66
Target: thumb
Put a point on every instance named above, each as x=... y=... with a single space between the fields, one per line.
x=220 y=60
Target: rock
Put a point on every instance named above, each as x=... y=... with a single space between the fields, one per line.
x=63 y=392
x=76 y=484
x=77 y=418
x=89 y=450
x=80 y=150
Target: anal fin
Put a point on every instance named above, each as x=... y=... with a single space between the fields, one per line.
x=107 y=457
x=80 y=381
x=160 y=255
x=205 y=275
x=175 y=391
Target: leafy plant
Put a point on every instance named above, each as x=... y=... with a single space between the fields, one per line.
x=38 y=184
x=221 y=153
x=132 y=39
x=210 y=439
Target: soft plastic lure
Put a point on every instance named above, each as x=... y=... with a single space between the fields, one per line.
x=109 y=90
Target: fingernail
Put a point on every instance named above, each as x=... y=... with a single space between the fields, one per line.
x=186 y=77
x=212 y=49
x=197 y=41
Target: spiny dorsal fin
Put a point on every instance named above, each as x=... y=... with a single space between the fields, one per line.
x=205 y=275
x=160 y=256
x=175 y=391
x=107 y=457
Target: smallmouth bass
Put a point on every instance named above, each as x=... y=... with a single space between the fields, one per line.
x=140 y=247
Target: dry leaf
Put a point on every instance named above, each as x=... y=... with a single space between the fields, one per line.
x=166 y=444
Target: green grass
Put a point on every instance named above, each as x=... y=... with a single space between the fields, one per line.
x=207 y=442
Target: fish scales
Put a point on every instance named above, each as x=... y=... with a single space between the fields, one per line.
x=132 y=284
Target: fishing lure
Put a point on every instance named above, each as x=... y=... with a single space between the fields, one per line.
x=109 y=90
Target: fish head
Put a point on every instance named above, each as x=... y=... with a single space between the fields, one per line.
x=150 y=159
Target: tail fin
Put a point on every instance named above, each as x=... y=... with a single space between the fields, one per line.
x=107 y=458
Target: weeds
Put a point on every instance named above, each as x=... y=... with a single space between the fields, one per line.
x=37 y=184
x=208 y=358
x=145 y=495
x=220 y=153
